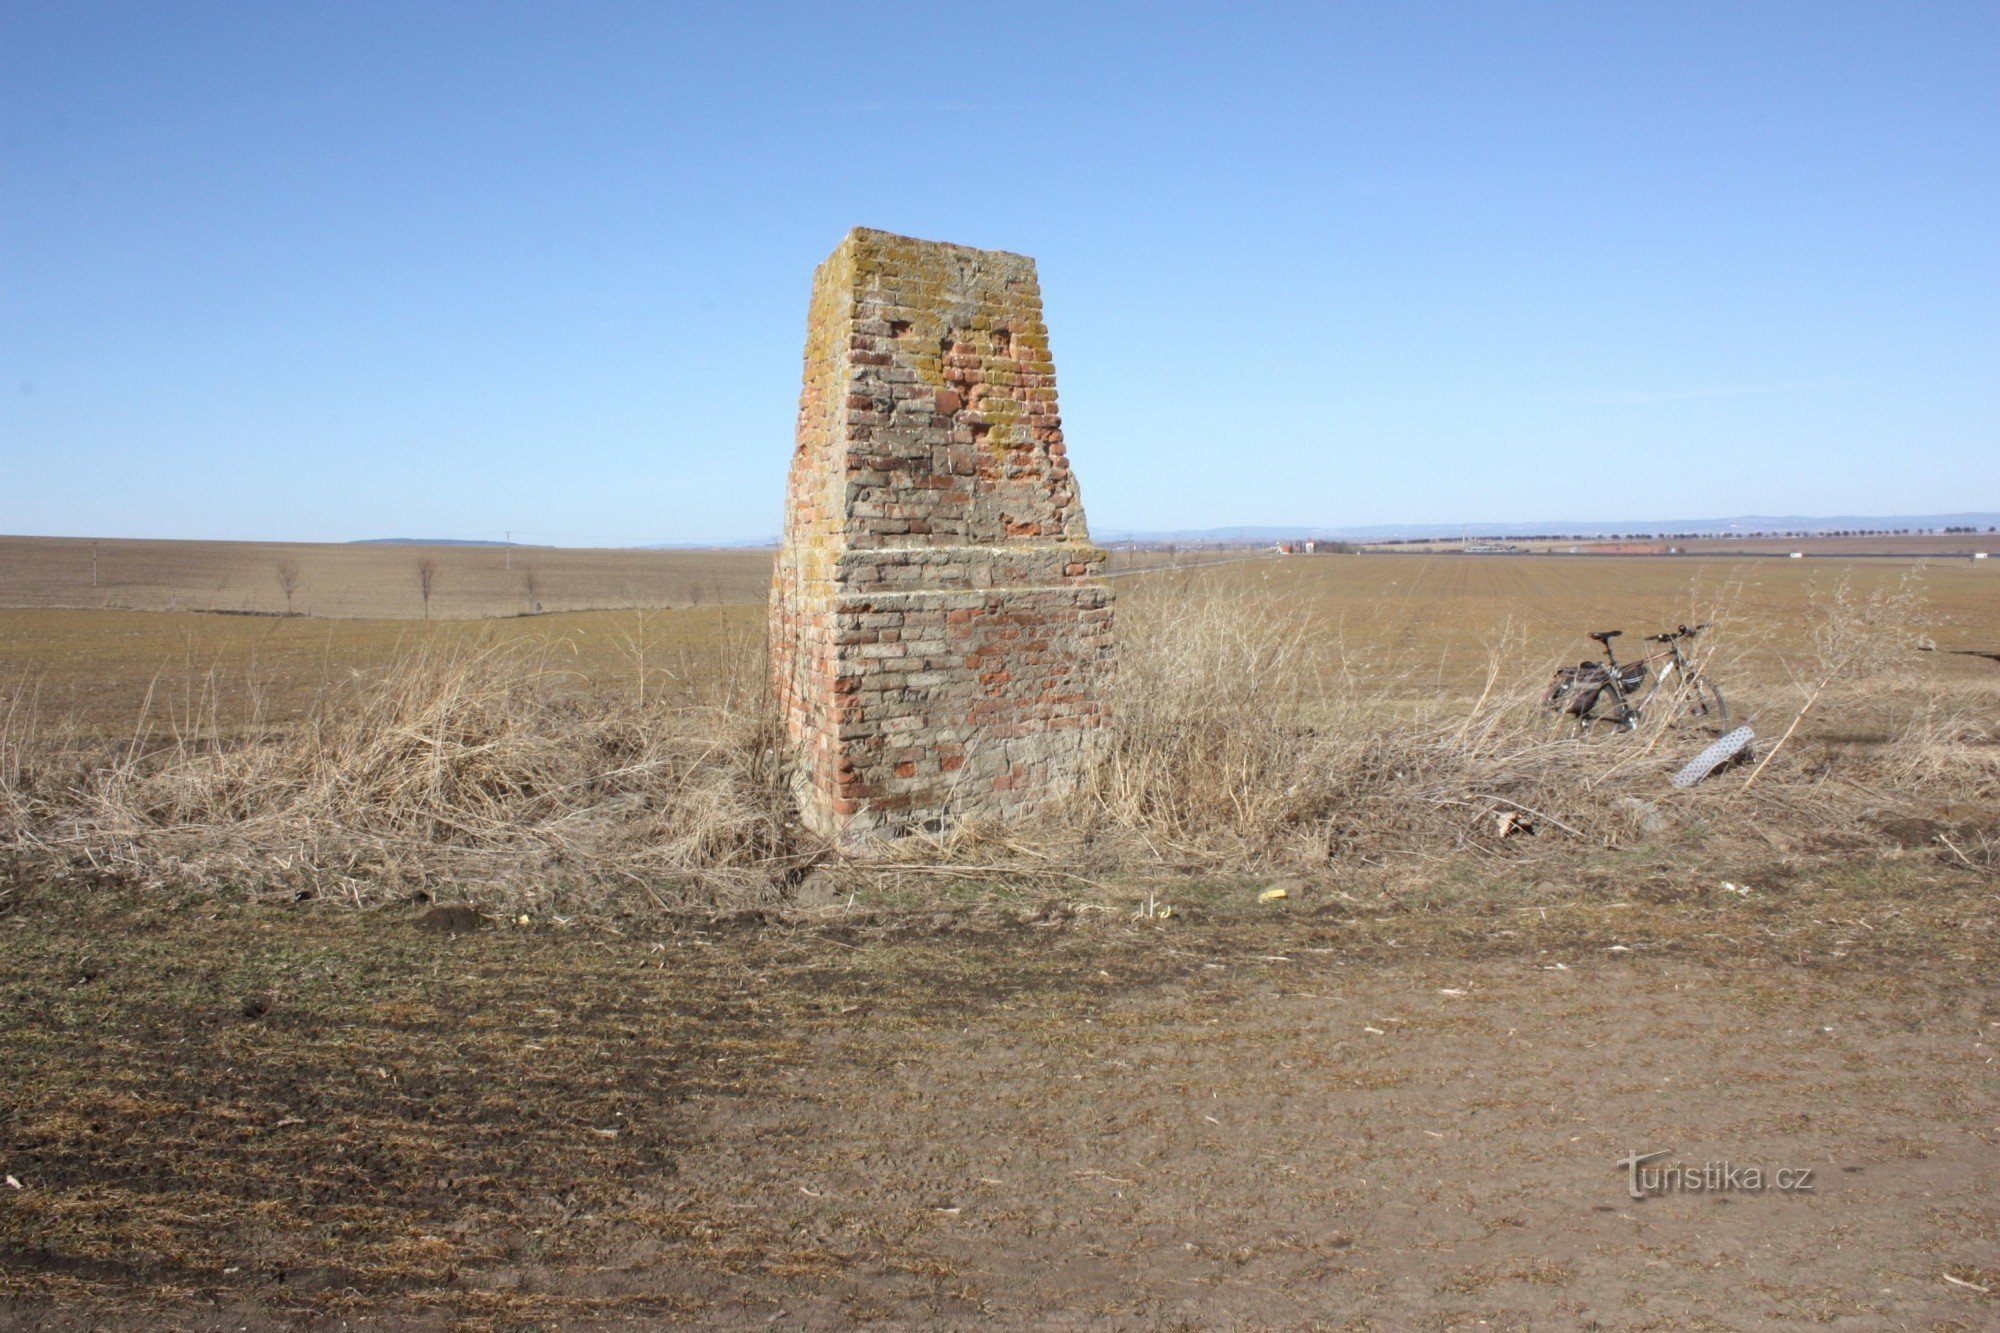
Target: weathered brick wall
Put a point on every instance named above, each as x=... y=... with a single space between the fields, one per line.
x=940 y=626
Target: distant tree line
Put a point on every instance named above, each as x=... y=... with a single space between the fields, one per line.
x=1677 y=536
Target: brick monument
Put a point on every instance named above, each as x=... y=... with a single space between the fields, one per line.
x=940 y=625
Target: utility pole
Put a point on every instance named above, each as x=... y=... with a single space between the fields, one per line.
x=510 y=548
x=93 y=564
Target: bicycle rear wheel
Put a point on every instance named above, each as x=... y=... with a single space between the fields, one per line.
x=1559 y=702
x=1575 y=706
x=1608 y=711
x=1560 y=722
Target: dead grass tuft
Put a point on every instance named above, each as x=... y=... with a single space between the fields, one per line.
x=484 y=767
x=1252 y=739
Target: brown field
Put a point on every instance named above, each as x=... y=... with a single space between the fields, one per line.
x=1438 y=613
x=368 y=580
x=673 y=1063
x=380 y=581
x=102 y=667
x=1427 y=623
x=1918 y=545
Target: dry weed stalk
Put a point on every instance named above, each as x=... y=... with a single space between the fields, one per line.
x=484 y=764
x=1863 y=648
x=1252 y=737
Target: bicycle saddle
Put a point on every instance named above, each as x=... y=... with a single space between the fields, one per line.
x=1605 y=636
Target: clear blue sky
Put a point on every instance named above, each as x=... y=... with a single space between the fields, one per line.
x=352 y=270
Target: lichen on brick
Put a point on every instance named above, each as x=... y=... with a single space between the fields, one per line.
x=940 y=626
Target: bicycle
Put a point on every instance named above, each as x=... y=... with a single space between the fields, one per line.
x=1615 y=694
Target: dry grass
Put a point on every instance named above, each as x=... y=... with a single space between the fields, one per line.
x=1252 y=741
x=1249 y=739
x=472 y=769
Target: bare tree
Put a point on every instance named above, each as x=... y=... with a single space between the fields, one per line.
x=427 y=569
x=288 y=581
x=531 y=584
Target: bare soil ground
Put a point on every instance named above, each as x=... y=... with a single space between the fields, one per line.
x=1909 y=545
x=106 y=669
x=368 y=580
x=1400 y=1106
x=379 y=580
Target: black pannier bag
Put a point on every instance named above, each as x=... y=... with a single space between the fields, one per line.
x=1577 y=687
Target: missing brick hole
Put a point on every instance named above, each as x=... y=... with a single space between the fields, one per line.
x=980 y=430
x=1003 y=342
x=899 y=328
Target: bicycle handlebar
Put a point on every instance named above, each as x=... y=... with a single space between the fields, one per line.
x=1679 y=632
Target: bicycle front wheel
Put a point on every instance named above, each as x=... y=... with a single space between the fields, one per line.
x=1704 y=706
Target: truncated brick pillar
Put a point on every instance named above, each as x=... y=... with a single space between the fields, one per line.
x=940 y=626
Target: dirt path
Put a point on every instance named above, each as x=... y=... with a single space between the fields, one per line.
x=259 y=1116
x=1232 y=1150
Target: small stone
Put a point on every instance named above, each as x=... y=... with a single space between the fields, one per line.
x=1644 y=813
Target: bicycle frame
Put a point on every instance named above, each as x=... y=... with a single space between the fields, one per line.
x=1628 y=704
x=1677 y=665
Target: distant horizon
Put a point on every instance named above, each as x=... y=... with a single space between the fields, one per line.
x=1979 y=521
